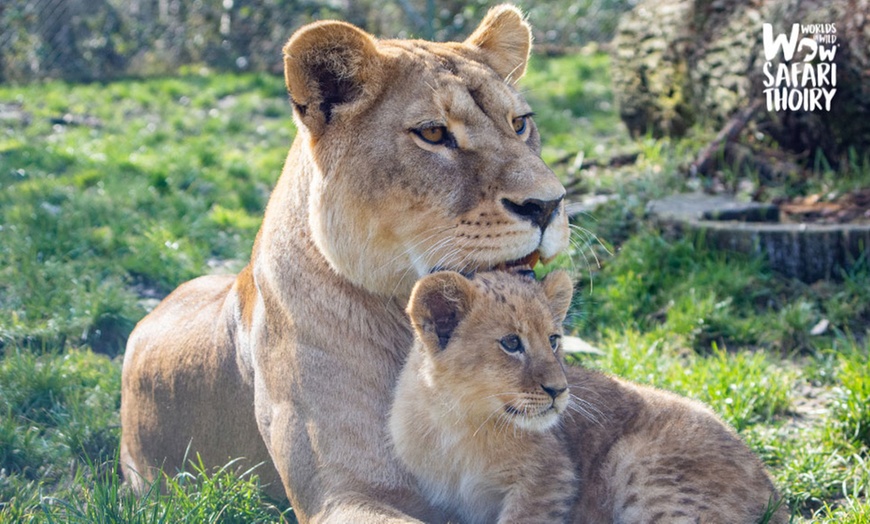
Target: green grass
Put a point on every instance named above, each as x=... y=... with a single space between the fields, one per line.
x=168 y=181
x=175 y=173
x=852 y=408
x=194 y=496
x=573 y=104
x=197 y=495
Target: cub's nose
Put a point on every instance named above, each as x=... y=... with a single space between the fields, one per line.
x=554 y=391
x=538 y=212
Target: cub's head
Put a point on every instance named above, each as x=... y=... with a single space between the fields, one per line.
x=422 y=155
x=491 y=345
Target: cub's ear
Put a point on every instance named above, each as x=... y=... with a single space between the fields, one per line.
x=505 y=39
x=438 y=304
x=559 y=289
x=327 y=65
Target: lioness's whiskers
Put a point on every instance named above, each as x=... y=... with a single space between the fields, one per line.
x=423 y=256
x=463 y=266
x=587 y=239
x=408 y=251
x=437 y=245
x=591 y=236
x=448 y=260
x=580 y=249
x=509 y=79
x=581 y=245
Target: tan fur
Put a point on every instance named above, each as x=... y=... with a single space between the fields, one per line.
x=620 y=452
x=292 y=362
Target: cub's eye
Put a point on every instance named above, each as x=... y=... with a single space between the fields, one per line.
x=554 y=342
x=512 y=344
x=435 y=135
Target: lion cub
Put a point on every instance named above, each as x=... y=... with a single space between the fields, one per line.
x=484 y=419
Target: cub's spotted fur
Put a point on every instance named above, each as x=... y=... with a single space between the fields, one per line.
x=496 y=429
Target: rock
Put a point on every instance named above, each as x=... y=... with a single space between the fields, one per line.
x=572 y=344
x=820 y=328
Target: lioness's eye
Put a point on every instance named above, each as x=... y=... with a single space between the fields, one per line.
x=435 y=135
x=520 y=124
x=554 y=341
x=512 y=344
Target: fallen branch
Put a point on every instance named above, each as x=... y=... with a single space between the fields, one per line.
x=616 y=161
x=704 y=161
x=578 y=163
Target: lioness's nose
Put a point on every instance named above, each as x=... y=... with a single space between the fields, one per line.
x=539 y=212
x=554 y=391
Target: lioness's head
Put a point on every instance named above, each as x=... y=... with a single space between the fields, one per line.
x=491 y=344
x=423 y=155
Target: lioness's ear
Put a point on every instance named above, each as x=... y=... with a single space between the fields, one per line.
x=326 y=65
x=438 y=304
x=505 y=39
x=559 y=289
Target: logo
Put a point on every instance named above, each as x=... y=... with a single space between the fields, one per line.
x=808 y=84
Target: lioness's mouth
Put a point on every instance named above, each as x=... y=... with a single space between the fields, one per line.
x=527 y=262
x=520 y=265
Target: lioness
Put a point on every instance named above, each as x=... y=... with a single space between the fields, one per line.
x=496 y=429
x=410 y=156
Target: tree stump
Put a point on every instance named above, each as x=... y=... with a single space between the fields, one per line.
x=809 y=252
